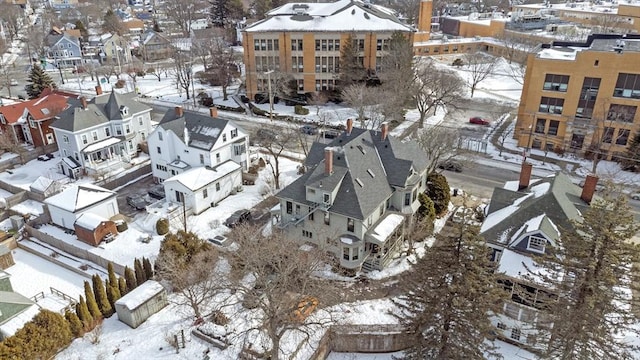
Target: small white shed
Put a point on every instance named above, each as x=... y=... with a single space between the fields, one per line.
x=66 y=207
x=137 y=306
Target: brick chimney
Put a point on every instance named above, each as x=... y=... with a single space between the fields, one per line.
x=179 y=111
x=589 y=188
x=98 y=90
x=213 y=111
x=328 y=161
x=525 y=175
x=385 y=130
x=349 y=126
x=83 y=101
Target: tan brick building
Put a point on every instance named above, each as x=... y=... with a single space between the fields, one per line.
x=304 y=39
x=577 y=95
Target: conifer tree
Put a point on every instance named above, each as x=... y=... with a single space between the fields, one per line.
x=101 y=296
x=122 y=286
x=84 y=315
x=94 y=309
x=113 y=294
x=139 y=271
x=631 y=160
x=45 y=335
x=439 y=192
x=113 y=279
x=130 y=277
x=352 y=71
x=595 y=303
x=148 y=268
x=39 y=80
x=77 y=329
x=448 y=296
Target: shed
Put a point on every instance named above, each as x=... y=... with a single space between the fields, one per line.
x=45 y=186
x=66 y=207
x=92 y=228
x=142 y=302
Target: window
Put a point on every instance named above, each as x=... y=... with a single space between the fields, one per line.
x=161 y=167
x=234 y=133
x=536 y=243
x=118 y=130
x=627 y=86
x=201 y=158
x=345 y=253
x=217 y=186
x=107 y=132
x=327 y=219
x=607 y=134
x=140 y=120
x=159 y=136
x=355 y=254
x=501 y=326
x=31 y=122
x=224 y=137
x=551 y=105
x=554 y=82
x=623 y=137
x=296 y=45
x=622 y=113
x=540 y=125
x=326 y=198
x=308 y=234
x=407 y=199
x=94 y=135
x=515 y=334
x=297 y=209
x=588 y=96
x=350 y=224
x=84 y=139
x=217 y=157
x=553 y=127
x=127 y=128
x=310 y=217
x=205 y=193
x=159 y=150
x=65 y=139
x=289 y=207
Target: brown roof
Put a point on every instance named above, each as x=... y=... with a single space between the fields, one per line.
x=73 y=32
x=134 y=24
x=44 y=107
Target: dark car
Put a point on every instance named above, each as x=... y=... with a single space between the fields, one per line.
x=450 y=165
x=157 y=192
x=308 y=129
x=136 y=201
x=479 y=121
x=237 y=218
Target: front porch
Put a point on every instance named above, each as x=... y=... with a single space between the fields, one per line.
x=382 y=243
x=106 y=156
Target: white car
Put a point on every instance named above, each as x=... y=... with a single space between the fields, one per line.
x=635 y=196
x=13 y=82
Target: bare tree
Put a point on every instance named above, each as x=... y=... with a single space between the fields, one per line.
x=479 y=66
x=107 y=71
x=183 y=72
x=223 y=67
x=605 y=136
x=435 y=89
x=111 y=23
x=610 y=23
x=365 y=100
x=184 y=12
x=517 y=46
x=504 y=135
x=156 y=70
x=275 y=142
x=284 y=290
x=440 y=143
x=12 y=17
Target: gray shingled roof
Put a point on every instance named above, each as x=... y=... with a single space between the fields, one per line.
x=561 y=204
x=203 y=131
x=101 y=109
x=365 y=169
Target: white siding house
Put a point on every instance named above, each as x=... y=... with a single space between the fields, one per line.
x=203 y=187
x=66 y=207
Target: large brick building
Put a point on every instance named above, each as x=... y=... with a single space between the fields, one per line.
x=582 y=96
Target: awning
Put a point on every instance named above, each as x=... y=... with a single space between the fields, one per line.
x=384 y=229
x=101 y=144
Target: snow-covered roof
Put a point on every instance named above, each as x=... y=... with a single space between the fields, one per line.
x=339 y=16
x=77 y=197
x=386 y=227
x=496 y=217
x=90 y=221
x=199 y=177
x=140 y=295
x=559 y=53
x=42 y=183
x=101 y=144
x=514 y=264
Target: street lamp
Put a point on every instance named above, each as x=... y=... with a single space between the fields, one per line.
x=268 y=73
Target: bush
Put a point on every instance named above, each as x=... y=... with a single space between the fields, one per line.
x=427 y=207
x=41 y=338
x=439 y=192
x=162 y=227
x=301 y=110
x=219 y=318
x=119 y=84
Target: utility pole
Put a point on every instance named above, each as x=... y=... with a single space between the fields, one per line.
x=268 y=73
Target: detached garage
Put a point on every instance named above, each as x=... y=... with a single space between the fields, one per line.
x=137 y=306
x=66 y=207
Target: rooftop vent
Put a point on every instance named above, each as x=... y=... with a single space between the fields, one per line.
x=619 y=46
x=300 y=9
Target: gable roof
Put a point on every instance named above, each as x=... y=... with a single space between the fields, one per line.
x=54 y=38
x=78 y=197
x=364 y=171
x=342 y=15
x=202 y=131
x=553 y=202
x=197 y=178
x=100 y=110
x=44 y=107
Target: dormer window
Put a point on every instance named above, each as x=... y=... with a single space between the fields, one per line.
x=326 y=198
x=537 y=244
x=124 y=110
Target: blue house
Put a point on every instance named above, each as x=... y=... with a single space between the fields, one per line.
x=63 y=50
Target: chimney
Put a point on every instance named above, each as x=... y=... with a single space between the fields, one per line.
x=385 y=130
x=179 y=111
x=525 y=175
x=349 y=126
x=83 y=101
x=589 y=188
x=213 y=111
x=98 y=90
x=328 y=161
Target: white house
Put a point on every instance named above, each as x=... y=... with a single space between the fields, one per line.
x=66 y=207
x=184 y=140
x=101 y=134
x=203 y=187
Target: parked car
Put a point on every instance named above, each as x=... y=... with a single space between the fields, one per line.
x=308 y=129
x=136 y=201
x=219 y=240
x=450 y=165
x=635 y=196
x=157 y=192
x=237 y=218
x=479 y=121
x=13 y=82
